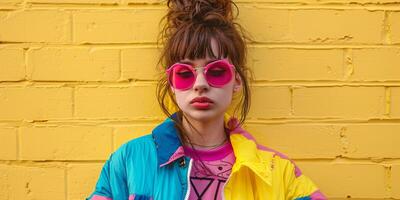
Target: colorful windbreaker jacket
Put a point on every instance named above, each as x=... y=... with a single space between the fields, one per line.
x=154 y=167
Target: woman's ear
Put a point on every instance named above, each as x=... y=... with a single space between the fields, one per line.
x=237 y=85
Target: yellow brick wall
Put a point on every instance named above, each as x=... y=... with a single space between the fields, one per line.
x=77 y=80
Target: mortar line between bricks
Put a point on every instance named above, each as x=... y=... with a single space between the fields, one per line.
x=344 y=64
x=325 y=84
x=372 y=7
x=347 y=160
x=250 y=121
x=152 y=83
x=57 y=163
x=386 y=32
x=25 y=56
x=6 y=9
x=291 y=101
x=322 y=121
x=348 y=68
x=327 y=160
x=388 y=179
x=122 y=2
x=302 y=46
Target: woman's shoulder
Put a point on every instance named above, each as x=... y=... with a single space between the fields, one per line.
x=142 y=140
x=299 y=186
x=274 y=152
x=134 y=147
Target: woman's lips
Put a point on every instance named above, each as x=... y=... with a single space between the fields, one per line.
x=201 y=99
x=201 y=105
x=201 y=102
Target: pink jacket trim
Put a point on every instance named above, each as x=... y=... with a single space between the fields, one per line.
x=317 y=195
x=98 y=197
x=178 y=153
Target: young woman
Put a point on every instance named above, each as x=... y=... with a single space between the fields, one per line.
x=199 y=151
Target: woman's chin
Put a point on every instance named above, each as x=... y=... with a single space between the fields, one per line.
x=203 y=115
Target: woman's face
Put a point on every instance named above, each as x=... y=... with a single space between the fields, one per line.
x=221 y=97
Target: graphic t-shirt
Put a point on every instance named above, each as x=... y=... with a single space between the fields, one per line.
x=219 y=161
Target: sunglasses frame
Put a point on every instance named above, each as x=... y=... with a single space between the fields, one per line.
x=231 y=68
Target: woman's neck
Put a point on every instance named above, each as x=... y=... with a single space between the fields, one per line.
x=211 y=133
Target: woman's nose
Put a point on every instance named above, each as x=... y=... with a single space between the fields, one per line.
x=200 y=83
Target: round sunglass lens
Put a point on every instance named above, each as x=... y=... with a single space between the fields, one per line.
x=219 y=74
x=182 y=77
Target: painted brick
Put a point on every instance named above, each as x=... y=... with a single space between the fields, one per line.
x=82 y=179
x=117 y=26
x=376 y=64
x=345 y=2
x=74 y=64
x=35 y=103
x=265 y=25
x=76 y=1
x=395 y=27
x=119 y=102
x=341 y=180
x=10 y=1
x=270 y=102
x=32 y=182
x=395 y=181
x=296 y=64
x=283 y=1
x=35 y=26
x=12 y=67
x=360 y=1
x=302 y=30
x=144 y=1
x=125 y=134
x=10 y=4
x=300 y=26
x=8 y=143
x=328 y=102
x=395 y=102
x=267 y=1
x=299 y=141
x=372 y=141
x=65 y=143
x=140 y=63
x=337 y=26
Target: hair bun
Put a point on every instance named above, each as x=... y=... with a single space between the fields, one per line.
x=211 y=12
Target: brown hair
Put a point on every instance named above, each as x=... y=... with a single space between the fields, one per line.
x=189 y=27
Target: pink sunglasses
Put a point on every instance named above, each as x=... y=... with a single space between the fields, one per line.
x=217 y=73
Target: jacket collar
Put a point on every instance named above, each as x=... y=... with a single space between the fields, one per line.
x=169 y=147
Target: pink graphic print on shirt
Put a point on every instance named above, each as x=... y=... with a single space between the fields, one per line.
x=208 y=184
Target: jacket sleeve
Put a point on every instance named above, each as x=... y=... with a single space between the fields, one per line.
x=299 y=186
x=112 y=180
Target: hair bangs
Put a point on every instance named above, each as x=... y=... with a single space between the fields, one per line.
x=196 y=43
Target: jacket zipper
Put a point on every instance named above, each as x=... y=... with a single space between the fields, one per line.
x=188 y=180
